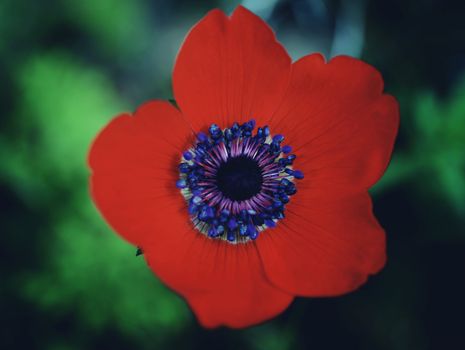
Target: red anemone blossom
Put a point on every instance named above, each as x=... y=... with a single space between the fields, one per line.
x=255 y=189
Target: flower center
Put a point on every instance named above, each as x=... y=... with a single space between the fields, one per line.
x=239 y=178
x=237 y=183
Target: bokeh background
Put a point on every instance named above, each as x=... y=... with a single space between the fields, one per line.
x=67 y=282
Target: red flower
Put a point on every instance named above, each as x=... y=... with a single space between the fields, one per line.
x=326 y=241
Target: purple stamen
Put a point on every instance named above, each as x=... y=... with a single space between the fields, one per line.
x=237 y=184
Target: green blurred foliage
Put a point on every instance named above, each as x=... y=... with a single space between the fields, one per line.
x=437 y=158
x=63 y=106
x=440 y=131
x=97 y=274
x=270 y=337
x=121 y=28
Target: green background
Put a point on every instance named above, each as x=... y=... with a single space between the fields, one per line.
x=67 y=282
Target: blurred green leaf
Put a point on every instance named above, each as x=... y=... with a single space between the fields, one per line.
x=437 y=156
x=94 y=272
x=64 y=106
x=89 y=270
x=120 y=27
x=441 y=140
x=270 y=337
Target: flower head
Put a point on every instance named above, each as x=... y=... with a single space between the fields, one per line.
x=254 y=191
x=237 y=182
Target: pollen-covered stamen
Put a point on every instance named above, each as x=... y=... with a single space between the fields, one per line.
x=237 y=184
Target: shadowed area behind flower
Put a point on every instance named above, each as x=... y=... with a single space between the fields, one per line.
x=68 y=282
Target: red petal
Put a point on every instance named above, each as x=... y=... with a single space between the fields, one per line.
x=230 y=69
x=338 y=121
x=325 y=246
x=134 y=163
x=342 y=128
x=224 y=284
x=134 y=170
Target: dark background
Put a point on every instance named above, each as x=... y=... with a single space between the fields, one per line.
x=67 y=282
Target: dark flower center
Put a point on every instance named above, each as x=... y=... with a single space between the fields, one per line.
x=239 y=178
x=237 y=181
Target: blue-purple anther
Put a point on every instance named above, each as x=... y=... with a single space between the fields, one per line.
x=236 y=183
